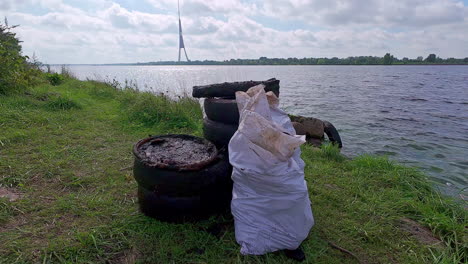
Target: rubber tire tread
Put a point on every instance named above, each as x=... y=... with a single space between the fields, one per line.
x=332 y=133
x=182 y=183
x=166 y=207
x=222 y=110
x=218 y=133
x=184 y=208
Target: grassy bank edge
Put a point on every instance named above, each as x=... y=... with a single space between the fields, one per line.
x=370 y=189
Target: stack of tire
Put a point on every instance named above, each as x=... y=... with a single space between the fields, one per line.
x=222 y=120
x=174 y=193
x=222 y=115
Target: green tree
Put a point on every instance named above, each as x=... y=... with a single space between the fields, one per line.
x=431 y=58
x=321 y=61
x=388 y=59
x=13 y=65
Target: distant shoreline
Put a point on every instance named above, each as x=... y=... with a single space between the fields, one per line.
x=388 y=59
x=184 y=64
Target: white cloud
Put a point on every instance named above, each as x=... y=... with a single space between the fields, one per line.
x=121 y=18
x=207 y=7
x=13 y=4
x=407 y=13
x=104 y=31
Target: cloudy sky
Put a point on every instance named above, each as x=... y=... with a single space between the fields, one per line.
x=108 y=31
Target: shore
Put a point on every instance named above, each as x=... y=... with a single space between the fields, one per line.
x=69 y=193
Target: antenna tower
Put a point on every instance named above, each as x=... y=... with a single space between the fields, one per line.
x=181 y=38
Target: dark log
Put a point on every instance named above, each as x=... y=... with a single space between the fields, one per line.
x=229 y=89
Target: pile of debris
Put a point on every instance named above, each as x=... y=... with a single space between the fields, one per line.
x=314 y=129
x=222 y=115
x=220 y=107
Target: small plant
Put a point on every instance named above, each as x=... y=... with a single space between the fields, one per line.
x=331 y=152
x=54 y=78
x=62 y=103
x=113 y=83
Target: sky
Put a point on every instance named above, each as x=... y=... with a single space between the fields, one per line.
x=121 y=31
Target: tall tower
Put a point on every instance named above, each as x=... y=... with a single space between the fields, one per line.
x=181 y=38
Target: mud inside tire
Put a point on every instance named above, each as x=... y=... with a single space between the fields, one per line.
x=182 y=183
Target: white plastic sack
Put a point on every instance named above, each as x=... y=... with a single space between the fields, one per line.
x=270 y=201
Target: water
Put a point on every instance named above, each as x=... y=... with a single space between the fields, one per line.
x=417 y=115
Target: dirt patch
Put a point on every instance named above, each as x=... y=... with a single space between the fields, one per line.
x=183 y=152
x=11 y=195
x=419 y=232
x=126 y=257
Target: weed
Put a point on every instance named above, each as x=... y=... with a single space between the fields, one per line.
x=6 y=211
x=66 y=73
x=54 y=78
x=160 y=111
x=331 y=152
x=62 y=103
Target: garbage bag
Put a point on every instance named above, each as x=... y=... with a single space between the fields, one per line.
x=270 y=201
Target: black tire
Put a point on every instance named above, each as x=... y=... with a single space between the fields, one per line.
x=332 y=133
x=182 y=183
x=215 y=199
x=229 y=89
x=166 y=207
x=222 y=110
x=217 y=132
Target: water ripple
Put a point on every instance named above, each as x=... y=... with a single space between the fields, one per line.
x=417 y=115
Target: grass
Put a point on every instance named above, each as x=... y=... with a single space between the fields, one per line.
x=67 y=150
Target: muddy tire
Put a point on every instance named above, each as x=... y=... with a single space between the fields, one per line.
x=222 y=110
x=218 y=133
x=177 y=183
x=182 y=208
x=173 y=190
x=332 y=134
x=167 y=208
x=203 y=199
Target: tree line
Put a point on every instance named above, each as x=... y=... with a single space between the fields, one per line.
x=387 y=59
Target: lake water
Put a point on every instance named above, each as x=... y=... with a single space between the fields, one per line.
x=417 y=115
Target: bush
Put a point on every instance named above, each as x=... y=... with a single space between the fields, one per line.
x=11 y=61
x=54 y=78
x=16 y=73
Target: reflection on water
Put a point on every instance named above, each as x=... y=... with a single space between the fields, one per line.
x=417 y=115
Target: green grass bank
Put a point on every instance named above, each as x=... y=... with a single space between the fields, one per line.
x=70 y=196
